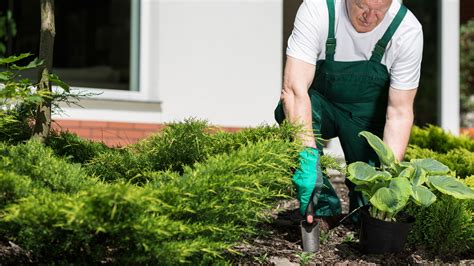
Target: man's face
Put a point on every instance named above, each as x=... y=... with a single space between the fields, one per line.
x=365 y=15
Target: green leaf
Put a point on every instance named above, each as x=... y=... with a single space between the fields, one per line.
x=55 y=79
x=5 y=76
x=432 y=166
x=394 y=198
x=407 y=172
x=420 y=176
x=362 y=173
x=422 y=196
x=33 y=64
x=368 y=190
x=13 y=58
x=383 y=151
x=451 y=186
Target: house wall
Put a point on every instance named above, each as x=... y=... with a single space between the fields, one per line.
x=217 y=60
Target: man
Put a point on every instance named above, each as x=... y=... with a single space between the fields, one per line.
x=352 y=65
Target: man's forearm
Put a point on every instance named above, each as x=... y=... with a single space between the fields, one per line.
x=397 y=133
x=298 y=111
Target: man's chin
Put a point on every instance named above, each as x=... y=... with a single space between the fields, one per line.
x=364 y=28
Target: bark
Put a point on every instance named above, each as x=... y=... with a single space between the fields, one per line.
x=48 y=31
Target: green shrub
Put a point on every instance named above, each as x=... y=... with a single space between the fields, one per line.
x=193 y=217
x=119 y=165
x=436 y=139
x=446 y=227
x=73 y=147
x=38 y=162
x=13 y=187
x=178 y=146
x=457 y=159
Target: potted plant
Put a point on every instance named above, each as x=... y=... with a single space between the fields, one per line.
x=389 y=188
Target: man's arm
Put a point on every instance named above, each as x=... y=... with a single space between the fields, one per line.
x=294 y=96
x=399 y=120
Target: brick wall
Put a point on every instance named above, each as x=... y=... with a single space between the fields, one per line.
x=113 y=133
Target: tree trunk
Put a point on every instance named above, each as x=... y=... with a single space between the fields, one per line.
x=48 y=31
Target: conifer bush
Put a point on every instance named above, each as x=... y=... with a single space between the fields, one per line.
x=39 y=163
x=13 y=187
x=192 y=215
x=436 y=139
x=73 y=147
x=447 y=225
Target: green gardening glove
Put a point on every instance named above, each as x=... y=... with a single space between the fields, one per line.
x=305 y=177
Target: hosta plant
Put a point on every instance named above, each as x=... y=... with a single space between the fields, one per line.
x=390 y=186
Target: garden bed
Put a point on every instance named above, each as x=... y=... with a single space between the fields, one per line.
x=340 y=246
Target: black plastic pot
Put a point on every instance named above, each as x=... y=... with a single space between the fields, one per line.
x=378 y=237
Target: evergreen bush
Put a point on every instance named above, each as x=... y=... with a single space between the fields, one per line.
x=457 y=159
x=436 y=139
x=446 y=227
x=39 y=163
x=13 y=187
x=73 y=147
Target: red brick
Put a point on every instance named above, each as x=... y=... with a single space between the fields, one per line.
x=468 y=132
x=82 y=132
x=93 y=124
x=151 y=127
x=67 y=123
x=120 y=125
x=103 y=133
x=131 y=134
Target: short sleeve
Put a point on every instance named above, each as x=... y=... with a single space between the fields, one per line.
x=304 y=41
x=405 y=71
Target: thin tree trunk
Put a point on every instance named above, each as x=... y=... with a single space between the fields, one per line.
x=48 y=31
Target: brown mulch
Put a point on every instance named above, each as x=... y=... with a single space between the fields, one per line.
x=282 y=246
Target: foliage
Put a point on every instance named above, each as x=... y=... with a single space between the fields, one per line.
x=467 y=70
x=20 y=98
x=458 y=159
x=74 y=148
x=391 y=186
x=446 y=227
x=436 y=139
x=39 y=163
x=178 y=146
x=13 y=187
x=175 y=218
x=7 y=30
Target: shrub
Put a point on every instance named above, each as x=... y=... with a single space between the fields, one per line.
x=13 y=187
x=446 y=227
x=193 y=217
x=179 y=145
x=436 y=139
x=457 y=159
x=38 y=162
x=73 y=147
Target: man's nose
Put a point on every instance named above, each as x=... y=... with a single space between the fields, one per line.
x=370 y=16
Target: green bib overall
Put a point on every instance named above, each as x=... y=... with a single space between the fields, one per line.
x=347 y=98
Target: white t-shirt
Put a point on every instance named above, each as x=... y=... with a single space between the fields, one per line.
x=402 y=55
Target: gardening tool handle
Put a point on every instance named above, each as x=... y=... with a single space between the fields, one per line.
x=310 y=211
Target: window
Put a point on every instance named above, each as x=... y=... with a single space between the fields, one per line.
x=96 y=43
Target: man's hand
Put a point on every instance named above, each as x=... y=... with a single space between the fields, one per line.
x=305 y=178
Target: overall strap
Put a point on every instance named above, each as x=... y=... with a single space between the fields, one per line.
x=379 y=49
x=331 y=40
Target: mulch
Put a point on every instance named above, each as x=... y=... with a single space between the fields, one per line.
x=282 y=245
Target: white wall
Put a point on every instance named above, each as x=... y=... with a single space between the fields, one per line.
x=218 y=60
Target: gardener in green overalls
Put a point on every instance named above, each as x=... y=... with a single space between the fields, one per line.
x=352 y=65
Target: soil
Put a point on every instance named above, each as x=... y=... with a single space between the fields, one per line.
x=340 y=246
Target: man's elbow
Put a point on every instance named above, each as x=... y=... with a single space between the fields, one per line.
x=400 y=114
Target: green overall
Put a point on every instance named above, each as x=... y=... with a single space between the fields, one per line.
x=347 y=98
